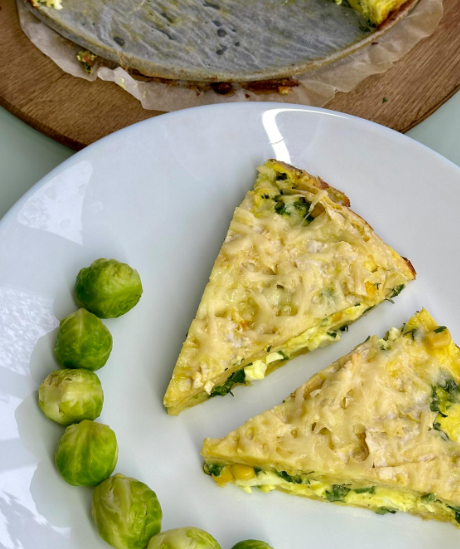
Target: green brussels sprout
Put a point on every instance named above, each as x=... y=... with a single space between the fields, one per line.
x=87 y=453
x=127 y=512
x=252 y=544
x=83 y=341
x=108 y=288
x=70 y=396
x=184 y=538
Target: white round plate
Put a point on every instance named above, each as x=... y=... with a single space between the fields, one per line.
x=160 y=195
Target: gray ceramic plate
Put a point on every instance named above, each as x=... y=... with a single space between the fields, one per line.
x=216 y=40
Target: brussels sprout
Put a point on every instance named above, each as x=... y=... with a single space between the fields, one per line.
x=127 y=512
x=69 y=396
x=108 y=288
x=87 y=453
x=252 y=544
x=184 y=538
x=83 y=341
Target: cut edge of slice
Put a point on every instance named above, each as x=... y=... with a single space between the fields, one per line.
x=372 y=496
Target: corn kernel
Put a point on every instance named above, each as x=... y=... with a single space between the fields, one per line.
x=224 y=477
x=337 y=316
x=243 y=472
x=317 y=210
x=439 y=338
x=370 y=264
x=370 y=289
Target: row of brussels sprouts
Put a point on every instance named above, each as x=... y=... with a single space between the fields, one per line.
x=126 y=511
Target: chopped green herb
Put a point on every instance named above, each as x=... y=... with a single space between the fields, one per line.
x=302 y=206
x=452 y=388
x=332 y=334
x=370 y=490
x=238 y=377
x=410 y=332
x=427 y=498
x=444 y=396
x=213 y=469
x=338 y=493
x=439 y=329
x=257 y=470
x=385 y=510
x=367 y=339
x=280 y=207
x=384 y=100
x=396 y=291
x=344 y=328
x=269 y=348
x=437 y=426
x=457 y=512
x=296 y=479
x=265 y=196
x=284 y=355
x=301 y=203
x=281 y=176
x=377 y=285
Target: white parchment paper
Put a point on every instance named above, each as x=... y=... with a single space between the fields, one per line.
x=315 y=88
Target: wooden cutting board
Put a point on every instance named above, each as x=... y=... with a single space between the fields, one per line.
x=76 y=112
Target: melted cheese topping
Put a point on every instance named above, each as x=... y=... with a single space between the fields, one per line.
x=293 y=262
x=387 y=414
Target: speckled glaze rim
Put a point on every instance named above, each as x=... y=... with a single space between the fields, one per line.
x=154 y=70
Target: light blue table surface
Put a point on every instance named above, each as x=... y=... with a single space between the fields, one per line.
x=26 y=155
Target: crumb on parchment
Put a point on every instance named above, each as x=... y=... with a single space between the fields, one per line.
x=87 y=59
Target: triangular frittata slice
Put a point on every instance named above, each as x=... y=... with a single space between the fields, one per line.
x=296 y=268
x=378 y=429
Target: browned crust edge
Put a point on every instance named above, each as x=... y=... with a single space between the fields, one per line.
x=335 y=194
x=411 y=267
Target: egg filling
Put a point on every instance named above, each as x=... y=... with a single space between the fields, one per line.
x=329 y=331
x=380 y=499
